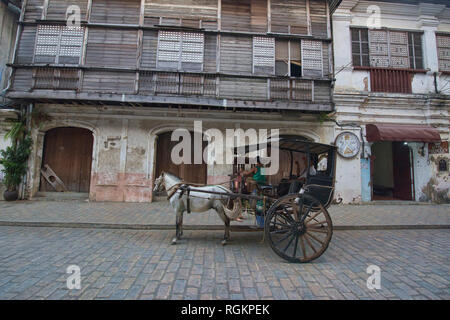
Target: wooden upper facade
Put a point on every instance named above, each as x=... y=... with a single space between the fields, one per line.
x=259 y=54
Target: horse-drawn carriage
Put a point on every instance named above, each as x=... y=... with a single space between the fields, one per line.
x=296 y=221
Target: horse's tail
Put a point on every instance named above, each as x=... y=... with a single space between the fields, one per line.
x=233 y=213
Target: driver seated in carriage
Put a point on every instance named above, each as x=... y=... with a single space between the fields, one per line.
x=301 y=178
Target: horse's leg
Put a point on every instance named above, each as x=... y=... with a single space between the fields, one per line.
x=179 y=222
x=219 y=208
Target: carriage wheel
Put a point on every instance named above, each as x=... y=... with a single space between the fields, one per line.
x=298 y=227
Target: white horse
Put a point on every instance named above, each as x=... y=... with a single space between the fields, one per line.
x=199 y=202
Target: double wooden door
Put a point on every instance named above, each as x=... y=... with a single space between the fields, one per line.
x=68 y=152
x=196 y=173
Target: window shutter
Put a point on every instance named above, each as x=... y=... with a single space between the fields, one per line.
x=71 y=45
x=192 y=51
x=443 y=44
x=58 y=44
x=263 y=55
x=168 y=49
x=398 y=47
x=378 y=48
x=180 y=50
x=312 y=58
x=47 y=42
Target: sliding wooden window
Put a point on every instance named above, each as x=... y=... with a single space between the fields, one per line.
x=58 y=44
x=263 y=55
x=180 y=50
x=387 y=49
x=288 y=60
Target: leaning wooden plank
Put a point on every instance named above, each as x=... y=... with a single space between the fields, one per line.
x=53 y=179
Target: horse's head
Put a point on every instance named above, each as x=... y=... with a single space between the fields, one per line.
x=159 y=183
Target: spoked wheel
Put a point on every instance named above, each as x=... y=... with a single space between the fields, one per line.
x=298 y=228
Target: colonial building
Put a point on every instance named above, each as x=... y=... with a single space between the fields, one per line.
x=392 y=69
x=106 y=93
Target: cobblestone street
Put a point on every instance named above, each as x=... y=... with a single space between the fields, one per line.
x=141 y=264
x=160 y=213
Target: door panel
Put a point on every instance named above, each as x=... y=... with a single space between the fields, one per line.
x=196 y=173
x=68 y=151
x=402 y=171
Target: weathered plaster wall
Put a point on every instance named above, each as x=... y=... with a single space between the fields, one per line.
x=356 y=104
x=348 y=175
x=124 y=154
x=422 y=169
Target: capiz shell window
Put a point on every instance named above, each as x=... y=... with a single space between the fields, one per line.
x=263 y=55
x=180 y=50
x=58 y=44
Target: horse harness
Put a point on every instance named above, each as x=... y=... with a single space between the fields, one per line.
x=183 y=187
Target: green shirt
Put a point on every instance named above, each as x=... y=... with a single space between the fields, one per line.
x=259 y=176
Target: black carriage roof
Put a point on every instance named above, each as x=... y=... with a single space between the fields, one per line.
x=292 y=144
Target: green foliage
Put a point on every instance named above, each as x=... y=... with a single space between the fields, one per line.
x=323 y=117
x=14 y=162
x=17 y=131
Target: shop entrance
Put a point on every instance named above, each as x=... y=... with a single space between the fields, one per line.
x=391 y=171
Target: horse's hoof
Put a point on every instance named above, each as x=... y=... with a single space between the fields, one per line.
x=174 y=242
x=224 y=242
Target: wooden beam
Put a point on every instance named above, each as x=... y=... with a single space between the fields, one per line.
x=141 y=14
x=308 y=18
x=105 y=98
x=88 y=11
x=44 y=10
x=22 y=10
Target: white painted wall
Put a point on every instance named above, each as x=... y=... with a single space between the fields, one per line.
x=356 y=104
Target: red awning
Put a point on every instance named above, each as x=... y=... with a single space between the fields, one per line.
x=401 y=132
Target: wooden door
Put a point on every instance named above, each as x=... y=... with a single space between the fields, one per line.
x=402 y=171
x=196 y=173
x=68 y=152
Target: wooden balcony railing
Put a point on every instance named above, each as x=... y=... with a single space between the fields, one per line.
x=56 y=79
x=177 y=83
x=301 y=90
x=390 y=80
x=173 y=83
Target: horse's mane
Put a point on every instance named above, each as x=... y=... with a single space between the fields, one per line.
x=171 y=175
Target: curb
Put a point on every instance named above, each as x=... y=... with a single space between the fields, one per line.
x=249 y=228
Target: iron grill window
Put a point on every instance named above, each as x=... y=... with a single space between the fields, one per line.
x=387 y=48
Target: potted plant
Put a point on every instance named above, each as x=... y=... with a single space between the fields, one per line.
x=14 y=162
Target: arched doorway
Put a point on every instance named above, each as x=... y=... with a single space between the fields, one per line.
x=68 y=152
x=196 y=173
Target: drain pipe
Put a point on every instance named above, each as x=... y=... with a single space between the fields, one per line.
x=11 y=7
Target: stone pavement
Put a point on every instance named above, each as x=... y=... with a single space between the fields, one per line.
x=160 y=213
x=131 y=264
